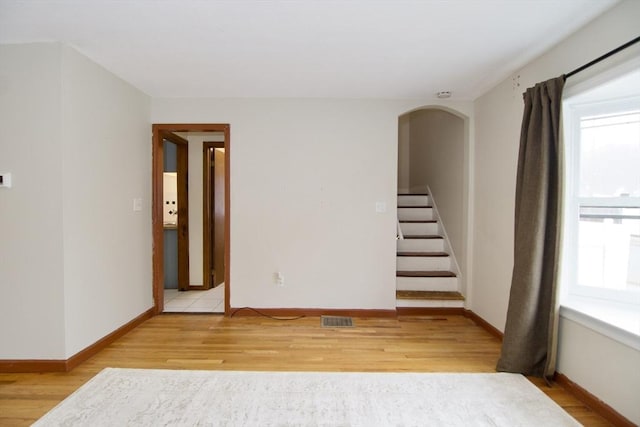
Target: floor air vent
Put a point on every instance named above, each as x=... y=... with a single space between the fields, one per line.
x=336 y=322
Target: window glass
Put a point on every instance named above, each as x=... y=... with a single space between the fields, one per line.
x=610 y=155
x=608 y=247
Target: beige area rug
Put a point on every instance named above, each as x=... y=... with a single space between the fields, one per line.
x=140 y=397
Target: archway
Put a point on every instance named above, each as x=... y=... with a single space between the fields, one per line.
x=434 y=158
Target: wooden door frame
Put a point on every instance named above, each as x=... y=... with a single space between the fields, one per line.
x=182 y=227
x=157 y=208
x=207 y=205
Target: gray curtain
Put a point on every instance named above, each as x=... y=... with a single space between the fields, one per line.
x=530 y=336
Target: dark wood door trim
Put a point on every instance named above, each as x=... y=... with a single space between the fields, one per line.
x=207 y=210
x=176 y=139
x=160 y=130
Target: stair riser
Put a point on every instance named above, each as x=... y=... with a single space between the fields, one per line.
x=420 y=245
x=410 y=263
x=415 y=214
x=413 y=200
x=449 y=284
x=429 y=303
x=420 y=228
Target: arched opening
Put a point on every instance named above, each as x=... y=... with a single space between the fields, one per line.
x=433 y=159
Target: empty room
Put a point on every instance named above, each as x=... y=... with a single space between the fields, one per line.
x=300 y=212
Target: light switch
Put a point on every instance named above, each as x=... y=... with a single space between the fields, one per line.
x=137 y=204
x=381 y=207
x=5 y=180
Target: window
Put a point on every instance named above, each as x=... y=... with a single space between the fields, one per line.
x=601 y=261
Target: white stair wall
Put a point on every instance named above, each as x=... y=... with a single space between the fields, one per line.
x=420 y=228
x=420 y=245
x=429 y=303
x=447 y=284
x=415 y=263
x=413 y=200
x=415 y=214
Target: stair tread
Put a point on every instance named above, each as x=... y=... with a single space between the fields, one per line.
x=413 y=194
x=429 y=295
x=418 y=221
x=422 y=254
x=422 y=236
x=430 y=273
x=415 y=206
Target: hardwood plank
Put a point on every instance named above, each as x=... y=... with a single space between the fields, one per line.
x=438 y=343
x=430 y=295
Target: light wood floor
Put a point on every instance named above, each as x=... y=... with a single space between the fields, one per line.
x=182 y=341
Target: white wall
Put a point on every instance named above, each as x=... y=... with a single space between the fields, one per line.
x=75 y=258
x=498 y=117
x=31 y=270
x=106 y=163
x=305 y=177
x=404 y=153
x=601 y=365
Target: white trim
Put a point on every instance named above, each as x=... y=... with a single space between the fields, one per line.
x=602 y=327
x=618 y=202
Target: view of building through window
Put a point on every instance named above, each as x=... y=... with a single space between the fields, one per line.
x=608 y=247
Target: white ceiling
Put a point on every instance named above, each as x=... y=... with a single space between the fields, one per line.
x=303 y=48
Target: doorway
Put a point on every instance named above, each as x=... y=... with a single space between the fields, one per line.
x=434 y=153
x=185 y=132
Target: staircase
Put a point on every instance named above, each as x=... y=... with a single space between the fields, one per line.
x=424 y=268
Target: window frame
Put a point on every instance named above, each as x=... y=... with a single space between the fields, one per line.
x=591 y=302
